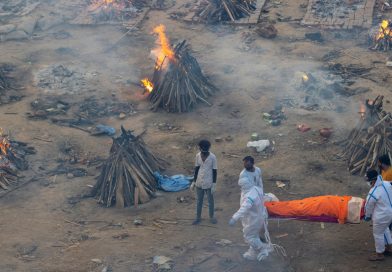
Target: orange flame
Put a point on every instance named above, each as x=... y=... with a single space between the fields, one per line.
x=384 y=30
x=4 y=145
x=147 y=84
x=165 y=50
x=362 y=110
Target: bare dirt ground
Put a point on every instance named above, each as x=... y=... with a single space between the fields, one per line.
x=46 y=225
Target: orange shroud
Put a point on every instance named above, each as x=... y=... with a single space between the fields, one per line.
x=319 y=206
x=387 y=175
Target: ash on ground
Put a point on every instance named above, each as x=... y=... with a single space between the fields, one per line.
x=61 y=79
x=318 y=91
x=335 y=8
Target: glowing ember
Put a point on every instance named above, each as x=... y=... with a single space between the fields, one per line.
x=362 y=110
x=165 y=50
x=4 y=145
x=147 y=84
x=305 y=78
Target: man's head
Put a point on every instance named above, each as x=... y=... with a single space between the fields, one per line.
x=249 y=162
x=384 y=162
x=371 y=176
x=204 y=146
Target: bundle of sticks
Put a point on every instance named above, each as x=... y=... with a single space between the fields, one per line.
x=370 y=139
x=179 y=84
x=12 y=159
x=127 y=177
x=213 y=11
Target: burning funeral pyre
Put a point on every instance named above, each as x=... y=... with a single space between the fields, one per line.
x=382 y=38
x=371 y=138
x=12 y=160
x=127 y=177
x=178 y=83
x=214 y=11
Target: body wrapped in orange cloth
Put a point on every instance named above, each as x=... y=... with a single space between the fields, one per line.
x=327 y=208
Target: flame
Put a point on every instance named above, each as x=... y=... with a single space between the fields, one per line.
x=4 y=145
x=362 y=110
x=147 y=84
x=165 y=50
x=305 y=78
x=384 y=30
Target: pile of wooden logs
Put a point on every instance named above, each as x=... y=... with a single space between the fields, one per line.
x=180 y=84
x=12 y=159
x=127 y=177
x=370 y=139
x=214 y=11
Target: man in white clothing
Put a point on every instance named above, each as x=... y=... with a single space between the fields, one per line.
x=253 y=216
x=204 y=181
x=251 y=172
x=378 y=208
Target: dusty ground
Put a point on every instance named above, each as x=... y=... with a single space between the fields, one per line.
x=39 y=229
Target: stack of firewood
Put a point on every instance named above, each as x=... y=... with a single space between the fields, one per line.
x=179 y=84
x=370 y=139
x=12 y=159
x=127 y=177
x=214 y=11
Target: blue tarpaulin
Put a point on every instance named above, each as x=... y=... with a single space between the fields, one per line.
x=174 y=183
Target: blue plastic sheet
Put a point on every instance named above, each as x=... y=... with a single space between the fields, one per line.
x=174 y=183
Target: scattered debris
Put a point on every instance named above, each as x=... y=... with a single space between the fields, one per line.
x=97 y=261
x=138 y=222
x=314 y=36
x=178 y=83
x=61 y=79
x=275 y=116
x=348 y=71
x=280 y=184
x=183 y=199
x=121 y=236
x=260 y=145
x=267 y=31
x=92 y=108
x=370 y=139
x=46 y=106
x=326 y=132
x=224 y=242
x=303 y=128
x=254 y=136
x=162 y=263
x=127 y=176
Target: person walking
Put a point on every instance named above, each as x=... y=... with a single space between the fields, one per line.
x=378 y=208
x=253 y=216
x=205 y=176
